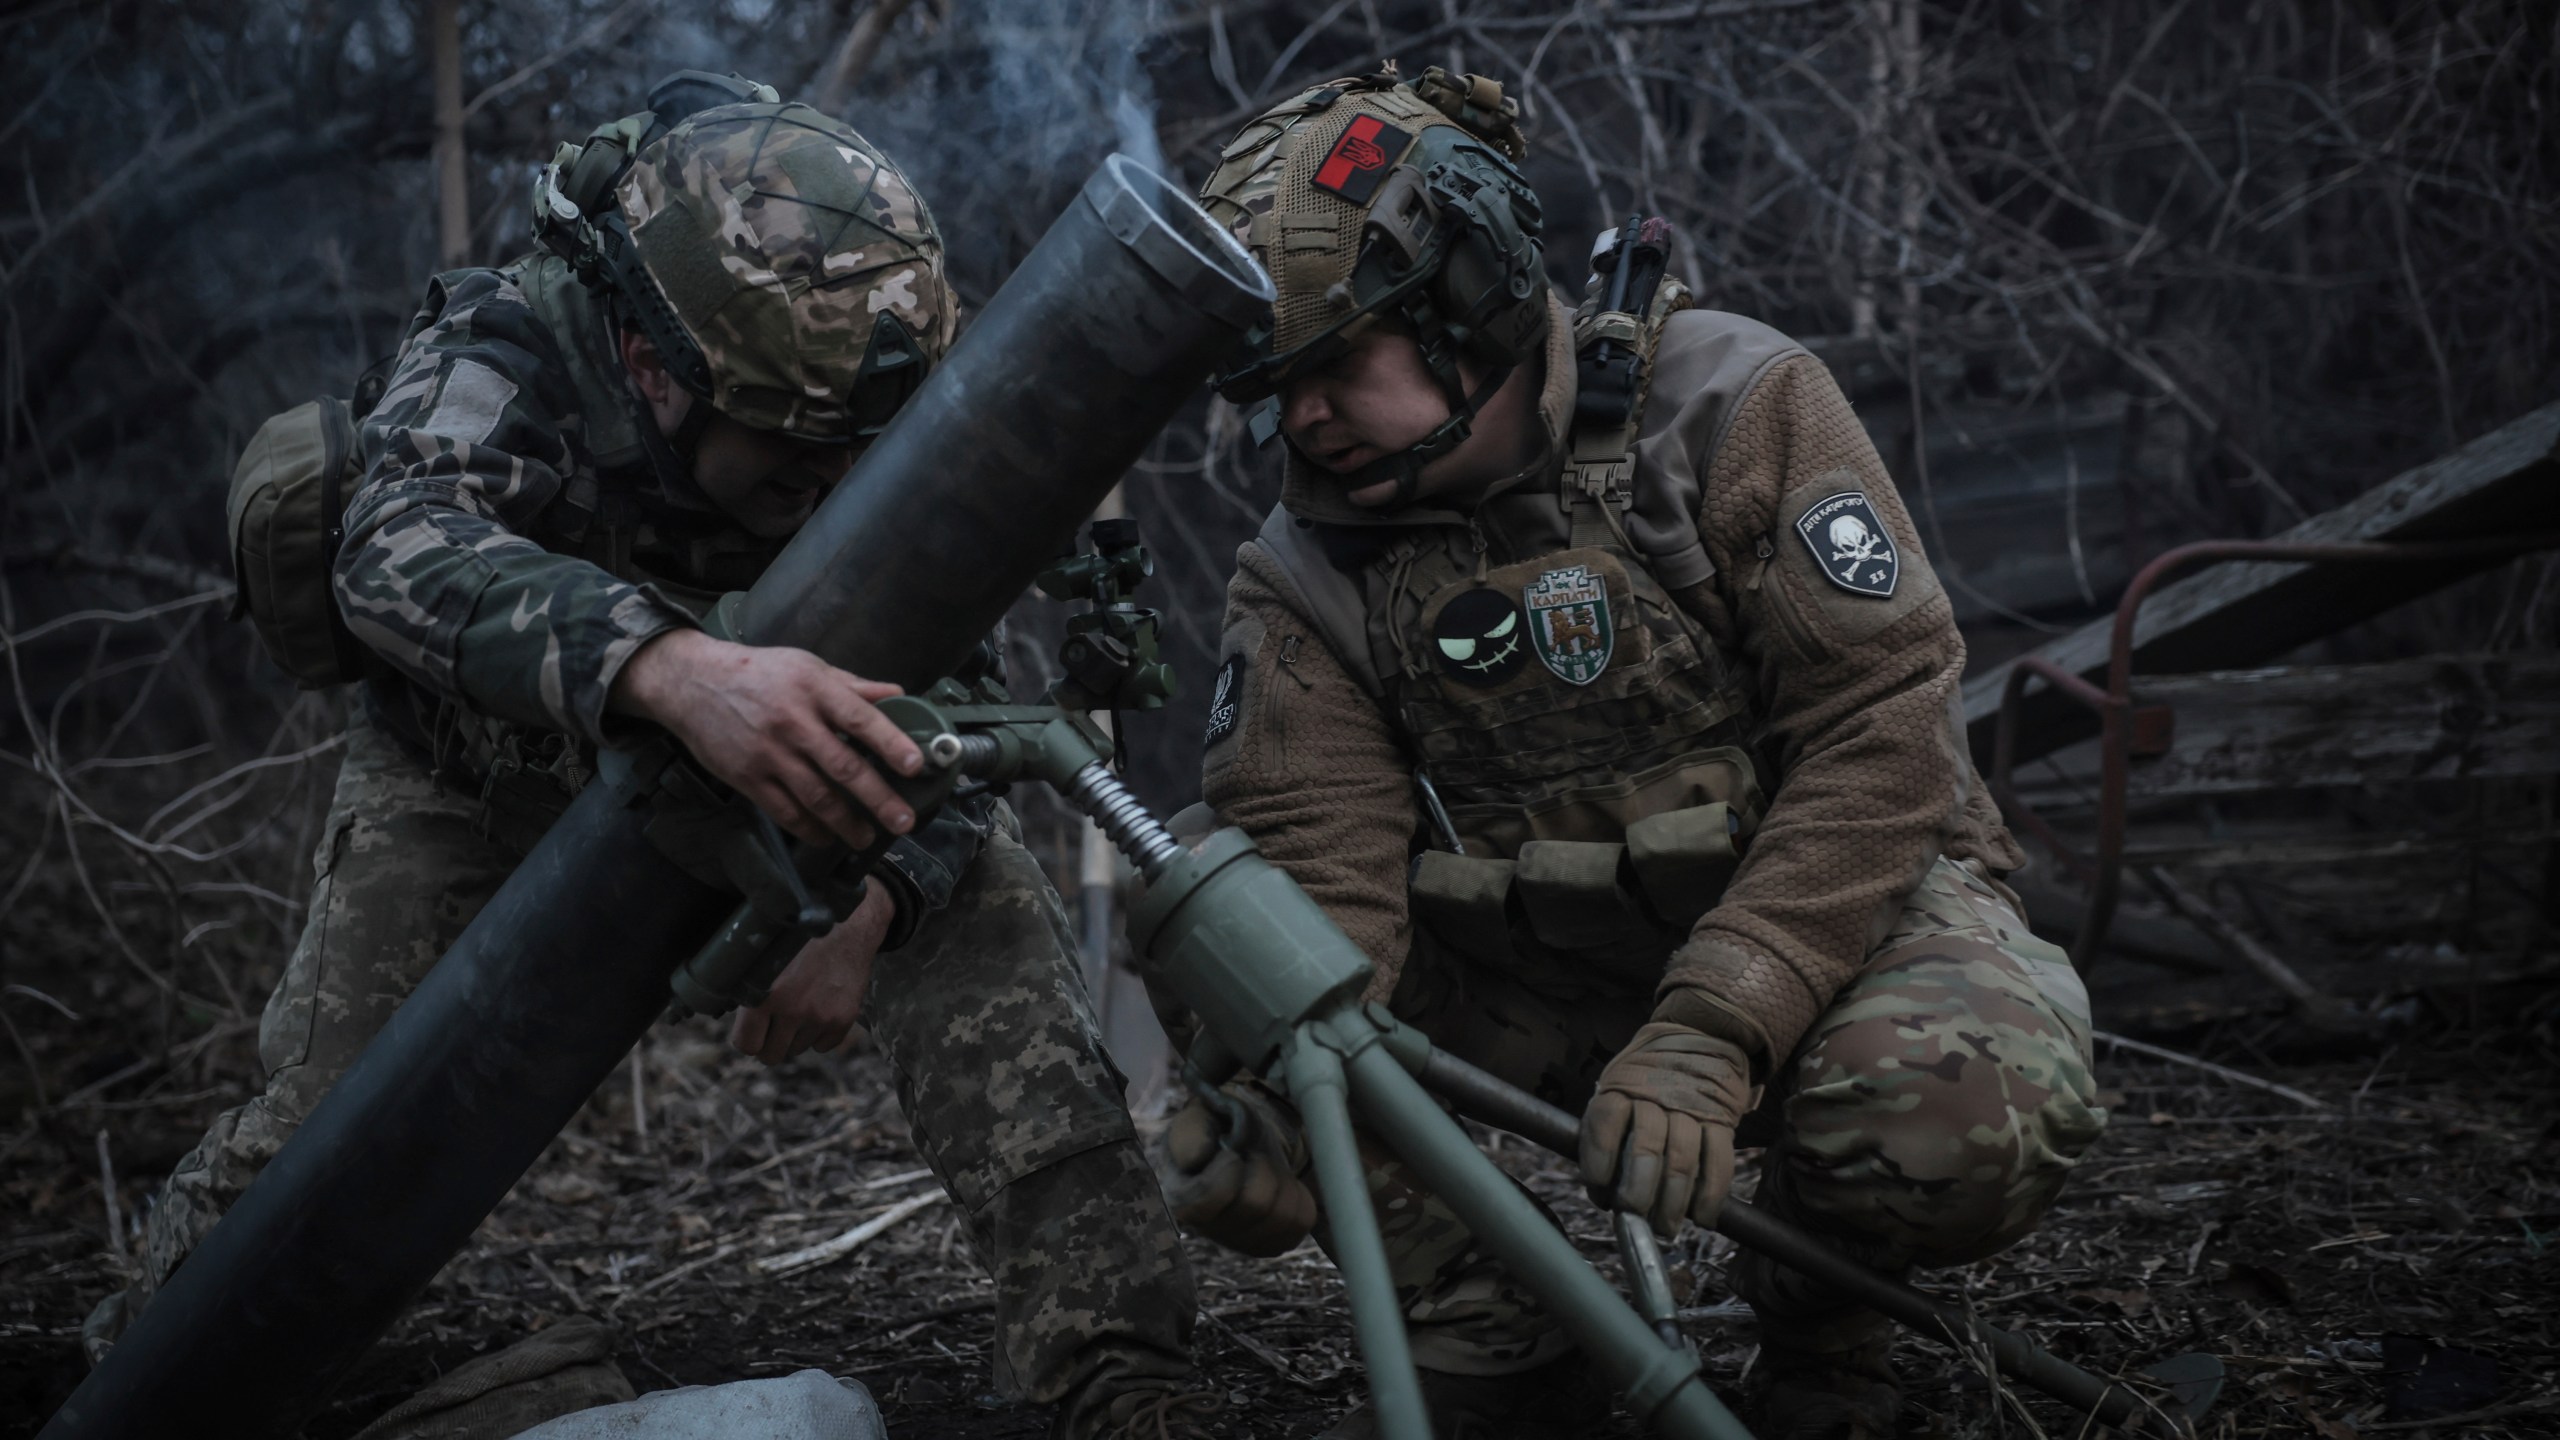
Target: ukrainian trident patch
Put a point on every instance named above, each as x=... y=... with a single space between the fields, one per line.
x=1358 y=162
x=1569 y=623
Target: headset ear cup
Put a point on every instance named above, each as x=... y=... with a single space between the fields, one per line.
x=1489 y=288
x=588 y=181
x=893 y=367
x=582 y=177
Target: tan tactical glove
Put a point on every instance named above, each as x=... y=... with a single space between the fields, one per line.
x=1659 y=1131
x=1241 y=1190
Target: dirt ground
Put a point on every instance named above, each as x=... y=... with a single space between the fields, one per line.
x=2416 y=1194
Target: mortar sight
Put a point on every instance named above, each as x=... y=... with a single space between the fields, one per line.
x=1106 y=574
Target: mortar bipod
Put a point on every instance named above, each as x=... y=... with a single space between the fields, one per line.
x=2191 y=1381
x=1276 y=985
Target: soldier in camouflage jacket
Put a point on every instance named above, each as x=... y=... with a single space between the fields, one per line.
x=1619 y=736
x=562 y=475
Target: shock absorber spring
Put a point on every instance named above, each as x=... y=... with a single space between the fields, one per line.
x=970 y=754
x=1124 y=819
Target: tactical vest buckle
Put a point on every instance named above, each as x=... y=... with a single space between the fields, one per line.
x=1610 y=479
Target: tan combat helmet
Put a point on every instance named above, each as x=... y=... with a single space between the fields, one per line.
x=1373 y=201
x=787 y=272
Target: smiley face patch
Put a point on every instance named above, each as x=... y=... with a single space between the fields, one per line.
x=1477 y=638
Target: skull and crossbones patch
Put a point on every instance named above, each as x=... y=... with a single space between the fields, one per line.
x=1226 y=700
x=1849 y=544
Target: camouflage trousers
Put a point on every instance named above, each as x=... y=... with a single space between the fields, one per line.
x=983 y=1016
x=1929 y=1117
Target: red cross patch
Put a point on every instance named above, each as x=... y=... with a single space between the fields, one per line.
x=1359 y=160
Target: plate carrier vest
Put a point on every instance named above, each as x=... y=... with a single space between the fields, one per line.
x=1580 y=826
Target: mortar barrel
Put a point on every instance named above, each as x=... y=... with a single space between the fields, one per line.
x=1107 y=328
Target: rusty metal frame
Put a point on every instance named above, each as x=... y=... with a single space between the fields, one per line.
x=2126 y=730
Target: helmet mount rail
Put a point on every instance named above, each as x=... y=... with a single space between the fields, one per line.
x=1264 y=376
x=1448 y=248
x=893 y=368
x=1414 y=264
x=599 y=248
x=573 y=216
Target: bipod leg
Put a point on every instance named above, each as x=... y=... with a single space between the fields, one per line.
x=1648 y=1278
x=1485 y=1097
x=1662 y=1385
x=1318 y=1089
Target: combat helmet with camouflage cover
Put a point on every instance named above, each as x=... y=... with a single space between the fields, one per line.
x=786 y=271
x=1376 y=200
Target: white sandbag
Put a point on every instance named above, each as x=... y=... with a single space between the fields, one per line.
x=811 y=1405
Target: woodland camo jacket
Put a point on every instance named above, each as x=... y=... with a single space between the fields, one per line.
x=502 y=455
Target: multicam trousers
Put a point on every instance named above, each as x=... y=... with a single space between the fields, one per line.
x=983 y=1016
x=1928 y=1118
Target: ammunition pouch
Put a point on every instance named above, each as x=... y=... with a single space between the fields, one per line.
x=1626 y=902
x=286 y=515
x=1683 y=860
x=1466 y=901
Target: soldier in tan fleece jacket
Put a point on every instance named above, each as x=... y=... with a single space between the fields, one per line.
x=1590 y=675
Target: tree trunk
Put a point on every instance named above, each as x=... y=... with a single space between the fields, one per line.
x=453 y=193
x=862 y=42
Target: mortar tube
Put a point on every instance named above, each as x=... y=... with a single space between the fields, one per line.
x=1104 y=331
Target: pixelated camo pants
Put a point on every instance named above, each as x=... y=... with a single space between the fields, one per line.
x=983 y=1016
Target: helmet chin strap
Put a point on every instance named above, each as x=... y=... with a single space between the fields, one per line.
x=1405 y=466
x=1439 y=343
x=671 y=456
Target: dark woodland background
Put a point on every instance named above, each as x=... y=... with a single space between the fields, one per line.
x=2101 y=278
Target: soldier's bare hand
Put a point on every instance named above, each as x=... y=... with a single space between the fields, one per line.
x=773 y=722
x=819 y=995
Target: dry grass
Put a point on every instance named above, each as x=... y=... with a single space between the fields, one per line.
x=2291 y=1241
